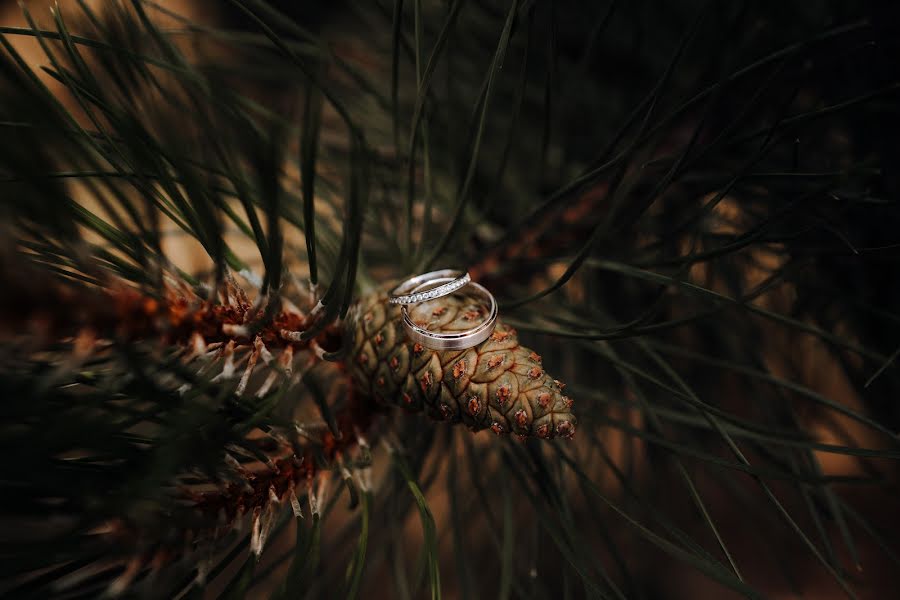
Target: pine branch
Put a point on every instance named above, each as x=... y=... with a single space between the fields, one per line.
x=687 y=208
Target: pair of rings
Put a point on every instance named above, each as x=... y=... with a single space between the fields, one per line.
x=437 y=284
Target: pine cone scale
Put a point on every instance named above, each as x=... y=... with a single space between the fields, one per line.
x=498 y=385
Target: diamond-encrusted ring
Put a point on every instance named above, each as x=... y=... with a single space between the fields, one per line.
x=457 y=340
x=411 y=292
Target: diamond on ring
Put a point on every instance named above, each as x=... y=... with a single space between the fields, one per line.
x=408 y=291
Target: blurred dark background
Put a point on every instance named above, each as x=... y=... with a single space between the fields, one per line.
x=839 y=244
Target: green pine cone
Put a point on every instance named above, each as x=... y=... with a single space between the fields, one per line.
x=497 y=384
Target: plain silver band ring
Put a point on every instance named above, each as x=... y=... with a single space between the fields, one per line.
x=407 y=292
x=458 y=340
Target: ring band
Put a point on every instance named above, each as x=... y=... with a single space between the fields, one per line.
x=407 y=292
x=459 y=340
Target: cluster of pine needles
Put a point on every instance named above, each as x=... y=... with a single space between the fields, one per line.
x=688 y=208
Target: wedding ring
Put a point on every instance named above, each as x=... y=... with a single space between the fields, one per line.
x=408 y=291
x=457 y=340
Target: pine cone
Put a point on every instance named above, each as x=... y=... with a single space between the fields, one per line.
x=497 y=384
